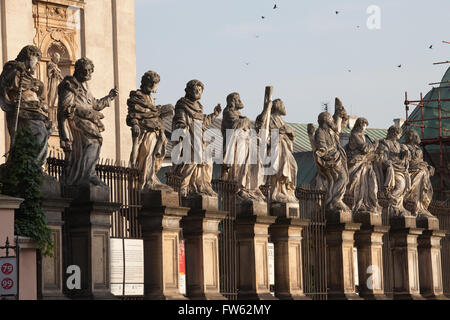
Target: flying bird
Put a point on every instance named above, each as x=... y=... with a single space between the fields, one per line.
x=399 y=66
x=262 y=17
x=337 y=12
x=275 y=6
x=431 y=47
x=358 y=27
x=349 y=70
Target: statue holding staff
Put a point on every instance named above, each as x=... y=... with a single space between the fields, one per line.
x=22 y=98
x=283 y=182
x=241 y=161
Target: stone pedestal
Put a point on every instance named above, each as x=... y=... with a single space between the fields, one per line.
x=200 y=231
x=369 y=244
x=403 y=240
x=252 y=236
x=288 y=210
x=160 y=219
x=340 y=232
x=430 y=267
x=286 y=234
x=51 y=269
x=87 y=224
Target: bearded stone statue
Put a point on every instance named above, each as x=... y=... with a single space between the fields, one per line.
x=331 y=158
x=80 y=125
x=393 y=175
x=421 y=191
x=240 y=165
x=147 y=129
x=17 y=80
x=195 y=171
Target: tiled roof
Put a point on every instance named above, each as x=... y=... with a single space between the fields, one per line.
x=301 y=142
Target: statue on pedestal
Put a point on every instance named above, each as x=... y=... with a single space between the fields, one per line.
x=421 y=191
x=147 y=128
x=54 y=77
x=240 y=164
x=331 y=158
x=80 y=125
x=19 y=89
x=284 y=181
x=195 y=172
x=393 y=174
x=363 y=184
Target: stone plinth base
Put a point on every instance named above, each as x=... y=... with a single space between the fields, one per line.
x=369 y=244
x=251 y=207
x=87 y=225
x=287 y=210
x=430 y=267
x=286 y=234
x=252 y=236
x=403 y=237
x=51 y=268
x=201 y=230
x=340 y=232
x=160 y=220
x=87 y=193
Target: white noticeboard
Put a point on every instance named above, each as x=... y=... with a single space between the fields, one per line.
x=8 y=276
x=127 y=267
x=271 y=262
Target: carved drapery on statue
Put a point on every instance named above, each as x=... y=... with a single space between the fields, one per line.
x=331 y=158
x=80 y=125
x=283 y=182
x=18 y=75
x=241 y=162
x=196 y=172
x=149 y=139
x=363 y=185
x=421 y=191
x=392 y=173
x=54 y=78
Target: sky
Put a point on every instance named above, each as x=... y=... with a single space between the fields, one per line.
x=302 y=48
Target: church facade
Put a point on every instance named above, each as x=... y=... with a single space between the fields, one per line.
x=101 y=30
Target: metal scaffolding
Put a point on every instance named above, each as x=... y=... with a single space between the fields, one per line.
x=442 y=139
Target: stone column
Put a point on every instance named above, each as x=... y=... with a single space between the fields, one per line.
x=403 y=237
x=252 y=225
x=88 y=223
x=51 y=270
x=340 y=232
x=430 y=267
x=286 y=234
x=369 y=243
x=160 y=219
x=200 y=231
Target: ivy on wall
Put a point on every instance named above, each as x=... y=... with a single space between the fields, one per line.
x=21 y=177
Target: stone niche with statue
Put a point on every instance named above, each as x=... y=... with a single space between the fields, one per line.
x=57 y=34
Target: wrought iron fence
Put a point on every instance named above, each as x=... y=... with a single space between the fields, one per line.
x=228 y=254
x=123 y=183
x=314 y=242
